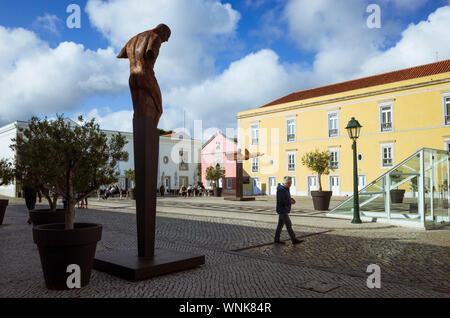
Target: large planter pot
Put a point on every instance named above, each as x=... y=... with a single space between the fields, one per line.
x=3 y=205
x=133 y=194
x=217 y=192
x=45 y=216
x=59 y=248
x=397 y=196
x=321 y=200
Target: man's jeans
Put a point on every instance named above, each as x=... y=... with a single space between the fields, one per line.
x=282 y=220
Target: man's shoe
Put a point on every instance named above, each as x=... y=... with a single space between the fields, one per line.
x=279 y=242
x=296 y=241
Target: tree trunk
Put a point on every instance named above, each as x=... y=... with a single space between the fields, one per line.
x=70 y=215
x=320 y=182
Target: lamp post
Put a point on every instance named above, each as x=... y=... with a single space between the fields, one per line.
x=353 y=129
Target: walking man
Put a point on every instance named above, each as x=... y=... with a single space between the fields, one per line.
x=284 y=202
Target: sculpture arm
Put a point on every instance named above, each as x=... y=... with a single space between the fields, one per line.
x=123 y=53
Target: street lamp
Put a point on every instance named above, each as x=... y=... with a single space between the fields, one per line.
x=353 y=129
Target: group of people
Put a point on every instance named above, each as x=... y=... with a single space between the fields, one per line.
x=112 y=190
x=196 y=190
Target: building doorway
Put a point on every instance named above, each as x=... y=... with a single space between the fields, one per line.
x=335 y=185
x=312 y=184
x=272 y=185
x=256 y=186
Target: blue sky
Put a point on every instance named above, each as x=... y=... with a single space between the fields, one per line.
x=223 y=56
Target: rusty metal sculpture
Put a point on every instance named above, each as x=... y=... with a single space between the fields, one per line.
x=142 y=51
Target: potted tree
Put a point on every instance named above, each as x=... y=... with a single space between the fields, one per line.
x=319 y=162
x=129 y=174
x=82 y=158
x=39 y=216
x=215 y=174
x=6 y=177
x=397 y=195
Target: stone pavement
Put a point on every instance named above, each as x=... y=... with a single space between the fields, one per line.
x=241 y=260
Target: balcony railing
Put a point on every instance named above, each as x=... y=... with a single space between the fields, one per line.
x=255 y=168
x=334 y=165
x=387 y=162
x=184 y=166
x=255 y=141
x=291 y=137
x=332 y=132
x=386 y=126
x=447 y=120
x=291 y=167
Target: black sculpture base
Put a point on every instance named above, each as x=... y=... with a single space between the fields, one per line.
x=127 y=264
x=239 y=198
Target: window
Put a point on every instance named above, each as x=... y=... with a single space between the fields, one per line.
x=386 y=117
x=387 y=155
x=229 y=183
x=334 y=159
x=291 y=129
x=333 y=124
x=291 y=161
x=255 y=134
x=447 y=110
x=255 y=164
x=184 y=166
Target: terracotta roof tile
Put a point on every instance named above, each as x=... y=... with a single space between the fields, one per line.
x=386 y=78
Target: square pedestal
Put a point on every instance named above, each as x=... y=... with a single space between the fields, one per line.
x=127 y=264
x=239 y=198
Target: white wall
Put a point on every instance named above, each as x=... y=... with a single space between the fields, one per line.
x=6 y=134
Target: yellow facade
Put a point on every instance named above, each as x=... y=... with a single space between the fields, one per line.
x=418 y=119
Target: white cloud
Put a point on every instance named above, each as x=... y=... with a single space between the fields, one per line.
x=252 y=81
x=109 y=120
x=48 y=22
x=418 y=45
x=196 y=25
x=37 y=79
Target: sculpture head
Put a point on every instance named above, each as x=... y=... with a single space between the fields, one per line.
x=163 y=32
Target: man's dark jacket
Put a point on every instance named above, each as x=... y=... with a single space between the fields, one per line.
x=283 y=199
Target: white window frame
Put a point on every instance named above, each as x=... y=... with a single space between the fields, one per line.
x=287 y=129
x=336 y=150
x=382 y=147
x=362 y=175
x=337 y=123
x=289 y=154
x=380 y=110
x=254 y=136
x=445 y=116
x=255 y=163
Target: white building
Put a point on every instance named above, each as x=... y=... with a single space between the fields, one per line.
x=179 y=158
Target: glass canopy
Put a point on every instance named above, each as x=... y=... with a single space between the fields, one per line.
x=414 y=193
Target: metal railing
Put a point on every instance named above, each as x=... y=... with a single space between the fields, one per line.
x=332 y=132
x=386 y=126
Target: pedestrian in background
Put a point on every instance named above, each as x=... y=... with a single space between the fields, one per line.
x=29 y=194
x=284 y=202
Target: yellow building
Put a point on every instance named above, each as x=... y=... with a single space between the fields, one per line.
x=400 y=112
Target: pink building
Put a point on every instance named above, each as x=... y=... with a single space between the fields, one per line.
x=214 y=152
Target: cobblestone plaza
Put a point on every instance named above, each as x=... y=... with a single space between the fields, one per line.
x=241 y=261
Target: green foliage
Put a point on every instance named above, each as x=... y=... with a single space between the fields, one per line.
x=319 y=162
x=68 y=159
x=215 y=173
x=129 y=174
x=6 y=172
x=164 y=132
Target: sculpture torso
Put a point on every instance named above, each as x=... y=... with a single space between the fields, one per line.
x=142 y=51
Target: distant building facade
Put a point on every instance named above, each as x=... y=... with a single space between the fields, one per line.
x=214 y=152
x=179 y=158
